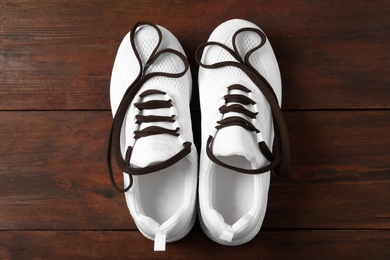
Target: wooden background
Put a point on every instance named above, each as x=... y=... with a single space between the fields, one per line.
x=56 y=57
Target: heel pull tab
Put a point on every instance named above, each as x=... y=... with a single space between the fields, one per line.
x=159 y=242
x=227 y=235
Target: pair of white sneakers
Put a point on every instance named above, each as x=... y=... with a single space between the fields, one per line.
x=151 y=136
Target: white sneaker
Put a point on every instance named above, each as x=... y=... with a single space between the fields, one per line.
x=151 y=134
x=240 y=95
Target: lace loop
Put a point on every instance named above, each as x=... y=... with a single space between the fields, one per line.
x=154 y=104
x=239 y=99
x=280 y=158
x=236 y=120
x=149 y=119
x=114 y=147
x=251 y=51
x=238 y=109
x=155 y=130
x=199 y=51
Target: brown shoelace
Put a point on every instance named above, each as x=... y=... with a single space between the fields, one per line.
x=116 y=128
x=280 y=157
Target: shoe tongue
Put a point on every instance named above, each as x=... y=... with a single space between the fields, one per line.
x=235 y=140
x=154 y=149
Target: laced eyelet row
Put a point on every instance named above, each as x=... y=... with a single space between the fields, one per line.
x=151 y=105
x=235 y=103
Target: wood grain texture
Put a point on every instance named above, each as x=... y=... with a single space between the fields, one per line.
x=53 y=172
x=132 y=245
x=59 y=54
x=54 y=176
x=56 y=57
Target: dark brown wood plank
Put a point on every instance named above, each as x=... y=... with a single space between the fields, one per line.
x=341 y=169
x=53 y=173
x=132 y=245
x=59 y=55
